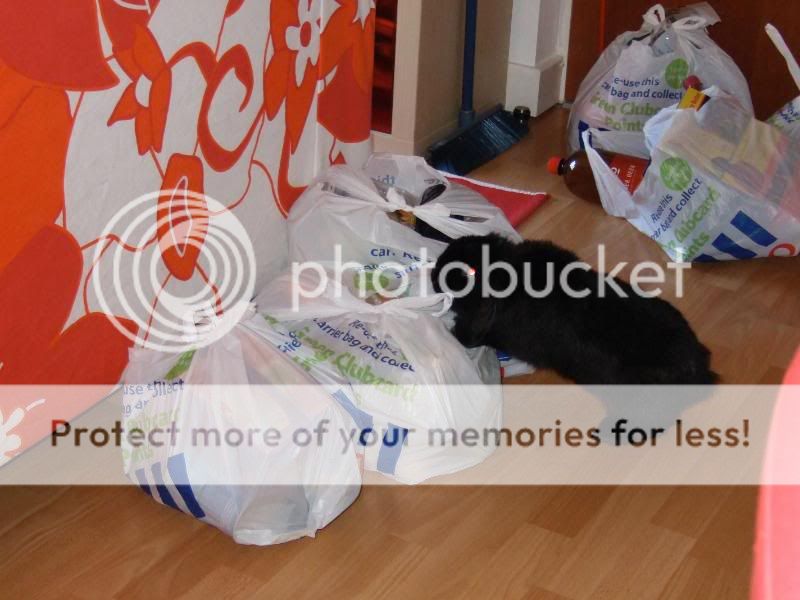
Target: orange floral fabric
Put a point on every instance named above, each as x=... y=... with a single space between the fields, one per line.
x=105 y=101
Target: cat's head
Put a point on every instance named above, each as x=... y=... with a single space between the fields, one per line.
x=470 y=265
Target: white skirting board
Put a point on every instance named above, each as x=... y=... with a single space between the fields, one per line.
x=537 y=54
x=537 y=87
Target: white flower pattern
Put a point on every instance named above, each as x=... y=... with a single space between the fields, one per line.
x=9 y=442
x=103 y=170
x=365 y=8
x=305 y=38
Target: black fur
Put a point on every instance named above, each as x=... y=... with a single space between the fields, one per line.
x=593 y=340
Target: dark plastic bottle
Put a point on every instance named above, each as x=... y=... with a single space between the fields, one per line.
x=579 y=179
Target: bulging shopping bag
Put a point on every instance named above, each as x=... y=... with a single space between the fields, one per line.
x=376 y=214
x=240 y=437
x=414 y=389
x=644 y=71
x=721 y=185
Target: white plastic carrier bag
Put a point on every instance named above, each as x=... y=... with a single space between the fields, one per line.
x=721 y=185
x=787 y=118
x=371 y=215
x=642 y=72
x=377 y=216
x=236 y=435
x=411 y=387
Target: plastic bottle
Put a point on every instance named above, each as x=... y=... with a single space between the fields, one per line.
x=579 y=179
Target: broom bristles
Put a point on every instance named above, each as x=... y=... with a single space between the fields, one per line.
x=477 y=144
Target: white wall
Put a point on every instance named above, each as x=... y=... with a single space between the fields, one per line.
x=538 y=53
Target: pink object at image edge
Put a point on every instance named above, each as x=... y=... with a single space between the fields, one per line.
x=777 y=546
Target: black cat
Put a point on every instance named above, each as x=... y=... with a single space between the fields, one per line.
x=606 y=340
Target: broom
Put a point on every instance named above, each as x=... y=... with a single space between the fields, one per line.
x=479 y=138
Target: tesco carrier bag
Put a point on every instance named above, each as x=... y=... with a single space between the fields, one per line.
x=410 y=386
x=214 y=433
x=644 y=71
x=721 y=185
x=397 y=208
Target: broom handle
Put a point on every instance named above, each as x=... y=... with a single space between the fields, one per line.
x=467 y=114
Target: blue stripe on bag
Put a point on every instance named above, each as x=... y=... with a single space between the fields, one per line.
x=140 y=477
x=753 y=230
x=583 y=126
x=364 y=421
x=162 y=490
x=705 y=258
x=391 y=448
x=176 y=465
x=393 y=439
x=725 y=244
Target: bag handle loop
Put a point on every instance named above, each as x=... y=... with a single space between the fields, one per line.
x=690 y=24
x=395 y=201
x=783 y=48
x=655 y=15
x=409 y=307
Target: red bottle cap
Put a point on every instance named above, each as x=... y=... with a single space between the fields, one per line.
x=554 y=165
x=692 y=81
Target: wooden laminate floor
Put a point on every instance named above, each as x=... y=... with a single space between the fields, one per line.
x=426 y=542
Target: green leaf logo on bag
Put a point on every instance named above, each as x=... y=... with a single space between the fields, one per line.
x=181 y=366
x=369 y=281
x=676 y=174
x=676 y=73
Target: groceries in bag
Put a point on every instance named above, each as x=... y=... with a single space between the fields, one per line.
x=419 y=225
x=414 y=389
x=578 y=177
x=644 y=71
x=379 y=213
x=721 y=185
x=193 y=411
x=398 y=209
x=513 y=367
